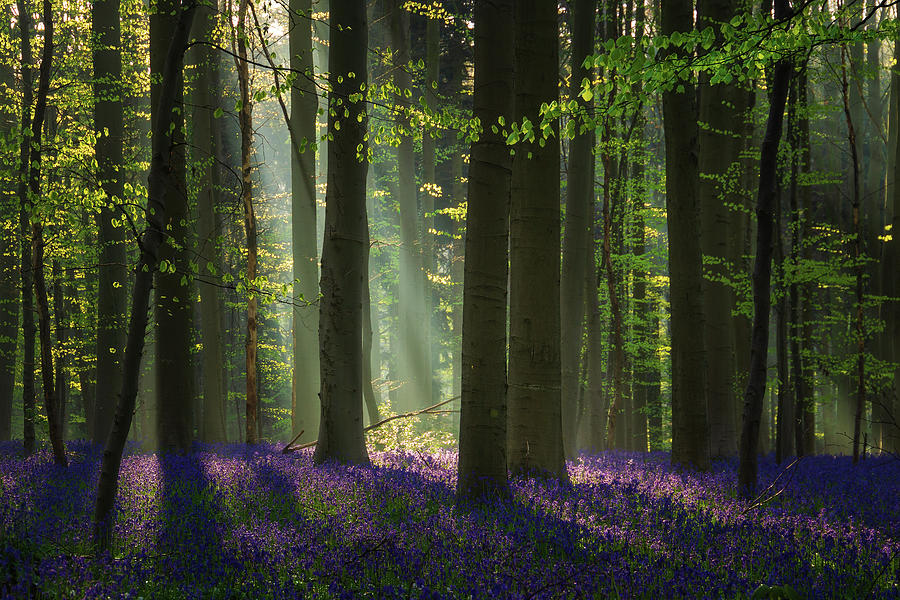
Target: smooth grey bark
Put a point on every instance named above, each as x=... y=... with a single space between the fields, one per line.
x=429 y=193
x=9 y=258
x=159 y=191
x=27 y=279
x=577 y=228
x=754 y=395
x=343 y=252
x=690 y=426
x=173 y=291
x=304 y=104
x=720 y=147
x=206 y=156
x=413 y=358
x=483 y=409
x=112 y=275
x=534 y=436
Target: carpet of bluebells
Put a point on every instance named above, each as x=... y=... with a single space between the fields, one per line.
x=248 y=522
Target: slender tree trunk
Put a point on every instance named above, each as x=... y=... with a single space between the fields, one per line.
x=806 y=398
x=785 y=420
x=371 y=398
x=174 y=284
x=890 y=265
x=534 y=438
x=483 y=417
x=60 y=373
x=343 y=252
x=51 y=406
x=762 y=269
x=108 y=149
x=207 y=153
x=27 y=279
x=690 y=437
x=245 y=117
x=577 y=229
x=159 y=190
x=430 y=192
x=617 y=349
x=413 y=360
x=9 y=271
x=304 y=103
x=859 y=267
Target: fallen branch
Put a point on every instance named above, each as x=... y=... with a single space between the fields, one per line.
x=431 y=410
x=296 y=437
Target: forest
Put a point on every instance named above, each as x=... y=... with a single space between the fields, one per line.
x=449 y=299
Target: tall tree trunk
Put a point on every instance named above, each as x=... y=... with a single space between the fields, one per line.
x=890 y=264
x=245 y=117
x=483 y=414
x=430 y=192
x=580 y=192
x=534 y=438
x=748 y=465
x=859 y=266
x=785 y=420
x=690 y=434
x=371 y=397
x=720 y=144
x=112 y=285
x=304 y=103
x=159 y=191
x=207 y=153
x=27 y=279
x=617 y=349
x=60 y=373
x=174 y=300
x=51 y=406
x=9 y=257
x=413 y=361
x=343 y=252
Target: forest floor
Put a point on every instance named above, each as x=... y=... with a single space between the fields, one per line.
x=249 y=522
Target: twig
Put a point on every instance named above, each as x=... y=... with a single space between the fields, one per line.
x=759 y=500
x=424 y=411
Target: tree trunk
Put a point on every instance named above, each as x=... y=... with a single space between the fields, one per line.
x=343 y=252
x=577 y=229
x=61 y=370
x=762 y=269
x=720 y=144
x=9 y=271
x=890 y=265
x=617 y=348
x=51 y=406
x=690 y=437
x=159 y=190
x=859 y=266
x=430 y=192
x=785 y=419
x=371 y=398
x=206 y=154
x=27 y=279
x=806 y=394
x=483 y=413
x=112 y=285
x=245 y=117
x=304 y=103
x=534 y=438
x=413 y=361
x=174 y=298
